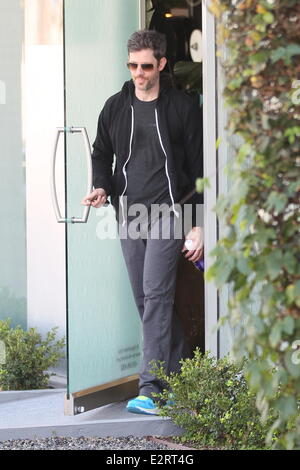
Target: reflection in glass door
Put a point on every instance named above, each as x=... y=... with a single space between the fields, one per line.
x=104 y=334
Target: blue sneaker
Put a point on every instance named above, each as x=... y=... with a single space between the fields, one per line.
x=142 y=405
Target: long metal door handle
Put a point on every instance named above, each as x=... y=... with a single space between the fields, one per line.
x=59 y=218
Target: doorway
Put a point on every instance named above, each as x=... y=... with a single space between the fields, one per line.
x=181 y=22
x=67 y=57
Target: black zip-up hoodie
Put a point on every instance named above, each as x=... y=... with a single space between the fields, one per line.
x=180 y=129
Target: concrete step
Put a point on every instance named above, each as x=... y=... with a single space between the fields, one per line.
x=40 y=413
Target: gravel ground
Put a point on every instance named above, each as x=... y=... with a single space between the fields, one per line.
x=83 y=443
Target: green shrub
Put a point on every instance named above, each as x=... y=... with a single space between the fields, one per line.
x=213 y=404
x=27 y=357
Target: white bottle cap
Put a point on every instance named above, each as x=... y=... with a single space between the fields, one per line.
x=188 y=244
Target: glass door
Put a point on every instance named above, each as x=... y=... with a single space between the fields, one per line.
x=103 y=326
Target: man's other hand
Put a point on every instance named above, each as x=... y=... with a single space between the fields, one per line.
x=96 y=198
x=196 y=235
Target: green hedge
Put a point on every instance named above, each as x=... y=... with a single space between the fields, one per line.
x=25 y=357
x=211 y=400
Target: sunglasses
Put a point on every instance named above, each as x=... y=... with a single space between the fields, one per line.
x=145 y=67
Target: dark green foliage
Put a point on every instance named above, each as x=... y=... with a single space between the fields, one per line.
x=258 y=255
x=213 y=403
x=27 y=357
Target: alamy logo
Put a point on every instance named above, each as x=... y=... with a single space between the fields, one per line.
x=158 y=221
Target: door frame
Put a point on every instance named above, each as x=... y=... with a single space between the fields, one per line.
x=210 y=80
x=53 y=262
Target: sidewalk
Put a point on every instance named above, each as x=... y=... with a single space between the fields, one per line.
x=40 y=413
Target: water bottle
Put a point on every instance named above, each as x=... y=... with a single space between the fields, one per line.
x=200 y=263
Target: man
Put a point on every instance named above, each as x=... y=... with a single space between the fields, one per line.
x=155 y=133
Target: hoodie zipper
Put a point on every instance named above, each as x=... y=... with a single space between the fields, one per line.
x=128 y=158
x=124 y=166
x=166 y=164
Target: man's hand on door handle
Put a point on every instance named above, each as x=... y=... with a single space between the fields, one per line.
x=96 y=198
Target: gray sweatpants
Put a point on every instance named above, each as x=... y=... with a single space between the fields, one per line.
x=152 y=265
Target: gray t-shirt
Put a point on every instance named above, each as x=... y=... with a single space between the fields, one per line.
x=147 y=181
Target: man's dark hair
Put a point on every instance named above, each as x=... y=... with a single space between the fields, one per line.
x=148 y=39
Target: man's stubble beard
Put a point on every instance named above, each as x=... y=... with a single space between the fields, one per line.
x=148 y=86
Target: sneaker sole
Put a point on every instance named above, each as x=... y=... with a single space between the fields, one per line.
x=140 y=410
